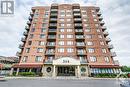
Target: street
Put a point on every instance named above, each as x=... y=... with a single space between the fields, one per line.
x=41 y=82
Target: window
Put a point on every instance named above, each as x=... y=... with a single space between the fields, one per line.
x=96 y=25
x=90 y=43
x=69 y=36
x=70 y=50
x=68 y=19
x=61 y=29
x=69 y=42
x=106 y=59
x=62 y=25
x=95 y=19
x=39 y=50
x=45 y=19
x=86 y=25
x=62 y=19
x=61 y=36
x=69 y=30
x=93 y=58
x=33 y=29
x=85 y=20
x=100 y=36
x=98 y=30
x=104 y=50
x=27 y=50
x=25 y=59
x=43 y=29
x=61 y=43
x=42 y=36
x=69 y=25
x=38 y=58
x=44 y=25
x=101 y=43
x=87 y=30
x=31 y=36
x=89 y=36
x=91 y=50
x=61 y=50
x=29 y=42
x=41 y=43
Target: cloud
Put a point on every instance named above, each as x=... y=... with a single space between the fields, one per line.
x=115 y=14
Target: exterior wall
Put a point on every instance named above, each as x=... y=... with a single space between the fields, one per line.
x=44 y=18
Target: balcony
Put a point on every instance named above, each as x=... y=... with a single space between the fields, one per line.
x=53 y=19
x=54 y=10
x=79 y=37
x=18 y=54
x=79 y=31
x=51 y=44
x=52 y=37
x=104 y=28
x=78 y=25
x=108 y=39
x=54 y=6
x=77 y=20
x=110 y=46
x=23 y=39
x=81 y=53
x=83 y=61
x=50 y=53
x=53 y=25
x=53 y=15
x=52 y=31
x=99 y=13
x=48 y=62
x=102 y=23
x=76 y=6
x=77 y=15
x=28 y=22
x=76 y=10
x=25 y=33
x=80 y=44
x=100 y=18
x=113 y=54
x=27 y=27
x=97 y=9
x=30 y=18
x=21 y=46
x=31 y=13
x=105 y=33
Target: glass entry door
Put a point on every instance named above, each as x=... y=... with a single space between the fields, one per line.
x=66 y=71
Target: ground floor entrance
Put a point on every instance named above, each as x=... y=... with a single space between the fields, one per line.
x=66 y=71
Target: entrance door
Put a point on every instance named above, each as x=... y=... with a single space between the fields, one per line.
x=66 y=71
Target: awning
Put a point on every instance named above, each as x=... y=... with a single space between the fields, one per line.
x=27 y=66
x=104 y=66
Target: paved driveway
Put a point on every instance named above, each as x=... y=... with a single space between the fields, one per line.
x=41 y=82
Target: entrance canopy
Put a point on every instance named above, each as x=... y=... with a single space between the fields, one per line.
x=66 y=61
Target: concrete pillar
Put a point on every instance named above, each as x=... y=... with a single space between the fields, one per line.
x=42 y=71
x=78 y=71
x=17 y=71
x=30 y=70
x=54 y=74
x=11 y=71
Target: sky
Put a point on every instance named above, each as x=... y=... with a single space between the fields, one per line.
x=116 y=15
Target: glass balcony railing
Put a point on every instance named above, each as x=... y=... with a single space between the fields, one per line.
x=52 y=37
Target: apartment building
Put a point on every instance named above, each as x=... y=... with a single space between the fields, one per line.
x=66 y=40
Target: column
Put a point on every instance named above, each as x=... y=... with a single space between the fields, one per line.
x=30 y=70
x=78 y=71
x=42 y=70
x=11 y=71
x=17 y=71
x=54 y=71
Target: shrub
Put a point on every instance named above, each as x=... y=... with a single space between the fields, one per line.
x=105 y=75
x=27 y=73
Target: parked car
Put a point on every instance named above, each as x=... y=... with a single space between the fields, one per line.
x=2 y=78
